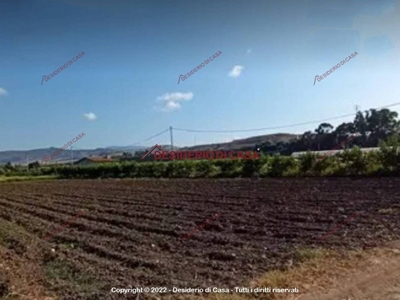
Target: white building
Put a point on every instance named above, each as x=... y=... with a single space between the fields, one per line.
x=332 y=152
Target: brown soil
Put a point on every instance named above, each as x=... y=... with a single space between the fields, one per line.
x=132 y=232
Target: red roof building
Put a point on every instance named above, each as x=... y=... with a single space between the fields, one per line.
x=93 y=160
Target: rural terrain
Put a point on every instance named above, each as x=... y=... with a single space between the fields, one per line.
x=98 y=234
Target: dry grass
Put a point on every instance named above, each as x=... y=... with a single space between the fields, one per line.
x=320 y=271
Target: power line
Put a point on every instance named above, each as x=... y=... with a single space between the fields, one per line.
x=255 y=129
x=276 y=127
x=262 y=129
x=152 y=137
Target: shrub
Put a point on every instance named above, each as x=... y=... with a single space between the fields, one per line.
x=228 y=168
x=250 y=167
x=281 y=164
x=203 y=168
x=307 y=163
x=350 y=162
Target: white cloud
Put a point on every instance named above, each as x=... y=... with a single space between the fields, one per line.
x=248 y=51
x=171 y=101
x=171 y=106
x=3 y=92
x=236 y=71
x=176 y=97
x=90 y=116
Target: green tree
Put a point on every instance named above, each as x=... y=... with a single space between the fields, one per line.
x=34 y=165
x=9 y=166
x=323 y=129
x=381 y=124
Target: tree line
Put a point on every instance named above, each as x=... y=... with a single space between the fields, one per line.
x=370 y=126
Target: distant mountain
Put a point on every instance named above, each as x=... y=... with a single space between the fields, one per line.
x=247 y=143
x=22 y=157
x=127 y=148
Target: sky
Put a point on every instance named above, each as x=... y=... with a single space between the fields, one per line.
x=126 y=86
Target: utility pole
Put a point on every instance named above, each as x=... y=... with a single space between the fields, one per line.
x=72 y=156
x=172 y=141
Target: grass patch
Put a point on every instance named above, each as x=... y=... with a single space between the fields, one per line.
x=387 y=211
x=26 y=178
x=32 y=259
x=304 y=254
x=20 y=272
x=68 y=246
x=8 y=232
x=63 y=276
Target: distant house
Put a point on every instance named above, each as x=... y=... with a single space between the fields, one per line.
x=93 y=160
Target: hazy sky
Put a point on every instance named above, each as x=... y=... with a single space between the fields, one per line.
x=125 y=87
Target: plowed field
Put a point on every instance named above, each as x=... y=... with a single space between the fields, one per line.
x=129 y=232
